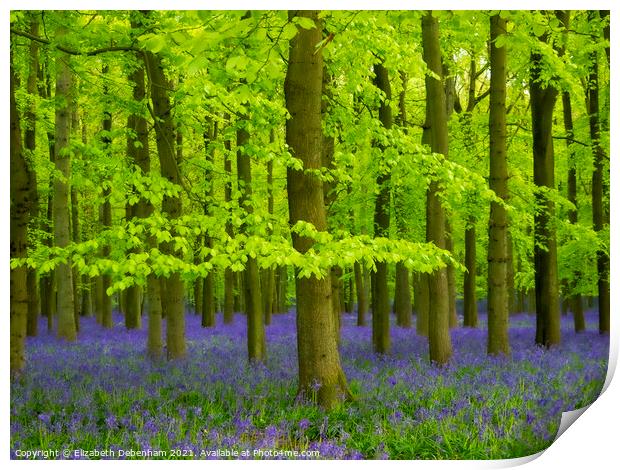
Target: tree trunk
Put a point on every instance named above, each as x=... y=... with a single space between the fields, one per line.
x=542 y=100
x=268 y=274
x=576 y=304
x=600 y=215
x=257 y=349
x=318 y=357
x=360 y=290
x=453 y=320
x=208 y=300
x=229 y=275
x=350 y=300
x=106 y=221
x=379 y=279
x=402 y=297
x=402 y=288
x=133 y=294
x=572 y=301
x=470 y=303
x=48 y=289
x=421 y=302
x=172 y=298
x=450 y=95
x=86 y=281
x=497 y=297
x=138 y=152
x=510 y=271
x=440 y=345
x=329 y=196
x=21 y=206
x=30 y=147
x=75 y=238
x=154 y=340
x=62 y=235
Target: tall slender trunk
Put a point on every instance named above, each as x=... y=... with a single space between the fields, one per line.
x=142 y=159
x=229 y=275
x=542 y=101
x=106 y=220
x=402 y=288
x=440 y=345
x=21 y=205
x=329 y=196
x=208 y=300
x=172 y=298
x=449 y=86
x=86 y=282
x=510 y=270
x=574 y=300
x=470 y=301
x=75 y=238
x=282 y=287
x=453 y=320
x=132 y=295
x=576 y=304
x=47 y=282
x=379 y=279
x=75 y=227
x=62 y=233
x=257 y=349
x=318 y=357
x=421 y=302
x=600 y=214
x=470 y=304
x=198 y=288
x=497 y=297
x=360 y=290
x=268 y=274
x=30 y=147
x=138 y=152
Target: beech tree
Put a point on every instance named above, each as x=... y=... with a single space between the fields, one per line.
x=542 y=101
x=302 y=163
x=498 y=181
x=440 y=345
x=318 y=358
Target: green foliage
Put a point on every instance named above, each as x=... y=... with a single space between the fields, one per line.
x=228 y=70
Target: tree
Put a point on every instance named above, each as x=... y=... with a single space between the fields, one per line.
x=379 y=279
x=138 y=151
x=62 y=236
x=172 y=298
x=402 y=289
x=229 y=275
x=104 y=302
x=30 y=147
x=576 y=304
x=498 y=181
x=257 y=350
x=329 y=195
x=600 y=216
x=440 y=345
x=542 y=101
x=208 y=301
x=318 y=357
x=21 y=204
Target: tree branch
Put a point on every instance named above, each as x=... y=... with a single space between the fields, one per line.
x=482 y=96
x=73 y=51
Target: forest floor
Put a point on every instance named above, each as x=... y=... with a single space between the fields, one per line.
x=101 y=393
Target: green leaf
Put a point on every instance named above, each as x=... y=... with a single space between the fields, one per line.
x=155 y=43
x=305 y=23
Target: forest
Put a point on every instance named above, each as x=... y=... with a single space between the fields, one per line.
x=306 y=234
